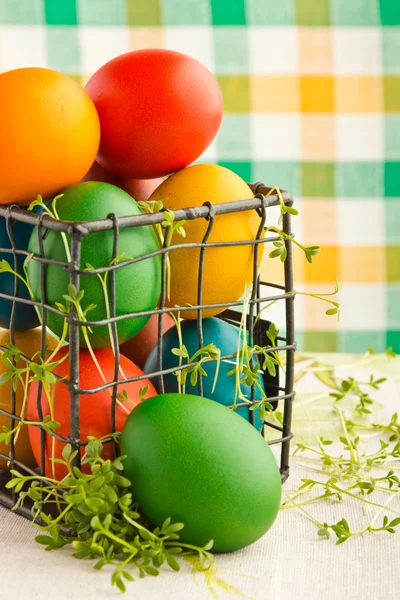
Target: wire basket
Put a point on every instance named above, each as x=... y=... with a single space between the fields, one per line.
x=278 y=392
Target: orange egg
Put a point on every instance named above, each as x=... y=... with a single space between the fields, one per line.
x=228 y=271
x=28 y=342
x=139 y=189
x=49 y=134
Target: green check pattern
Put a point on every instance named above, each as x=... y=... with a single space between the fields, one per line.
x=312 y=104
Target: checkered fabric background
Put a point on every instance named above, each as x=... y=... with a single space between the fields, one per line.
x=312 y=105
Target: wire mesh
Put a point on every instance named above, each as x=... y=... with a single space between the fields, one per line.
x=256 y=327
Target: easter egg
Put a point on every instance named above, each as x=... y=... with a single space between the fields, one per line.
x=159 y=110
x=49 y=134
x=25 y=315
x=95 y=408
x=139 y=189
x=200 y=464
x=139 y=347
x=29 y=343
x=228 y=271
x=137 y=285
x=225 y=337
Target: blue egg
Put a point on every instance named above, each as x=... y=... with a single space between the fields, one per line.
x=25 y=315
x=225 y=337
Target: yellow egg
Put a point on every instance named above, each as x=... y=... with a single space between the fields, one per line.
x=228 y=271
x=29 y=344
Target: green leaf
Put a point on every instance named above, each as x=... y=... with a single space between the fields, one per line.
x=209 y=545
x=97 y=483
x=323 y=532
x=75 y=498
x=175 y=550
x=172 y=561
x=95 y=523
x=117 y=580
x=94 y=503
x=276 y=252
x=5 y=267
x=291 y=210
x=66 y=452
x=341 y=540
x=107 y=521
x=180 y=352
x=173 y=528
x=100 y=564
x=43 y=539
x=4 y=377
x=111 y=495
x=122 y=481
x=61 y=307
x=151 y=571
x=146 y=535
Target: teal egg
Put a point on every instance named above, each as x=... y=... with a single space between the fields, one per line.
x=225 y=337
x=137 y=285
x=25 y=315
x=199 y=463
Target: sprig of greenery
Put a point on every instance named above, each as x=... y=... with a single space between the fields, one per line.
x=349 y=470
x=52 y=212
x=121 y=258
x=335 y=309
x=153 y=206
x=5 y=267
x=280 y=246
x=284 y=208
x=352 y=388
x=102 y=519
x=209 y=352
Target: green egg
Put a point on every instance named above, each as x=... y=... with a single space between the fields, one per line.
x=137 y=285
x=196 y=461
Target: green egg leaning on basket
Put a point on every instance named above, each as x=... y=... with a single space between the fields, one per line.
x=196 y=461
x=137 y=285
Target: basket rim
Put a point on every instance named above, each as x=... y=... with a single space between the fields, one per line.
x=82 y=228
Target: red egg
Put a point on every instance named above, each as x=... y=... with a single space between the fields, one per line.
x=159 y=110
x=139 y=189
x=95 y=409
x=138 y=348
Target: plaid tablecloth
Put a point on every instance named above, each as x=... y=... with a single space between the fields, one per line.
x=312 y=105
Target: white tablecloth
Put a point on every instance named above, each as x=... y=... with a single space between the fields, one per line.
x=290 y=562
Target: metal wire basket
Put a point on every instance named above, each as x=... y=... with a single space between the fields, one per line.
x=278 y=393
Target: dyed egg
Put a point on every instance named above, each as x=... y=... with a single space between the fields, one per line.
x=25 y=315
x=228 y=271
x=95 y=409
x=200 y=464
x=139 y=189
x=225 y=337
x=29 y=343
x=137 y=285
x=49 y=134
x=138 y=348
x=159 y=110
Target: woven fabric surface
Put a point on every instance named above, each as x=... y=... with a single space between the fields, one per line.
x=312 y=105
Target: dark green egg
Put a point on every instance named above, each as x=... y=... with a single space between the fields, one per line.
x=196 y=461
x=137 y=285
